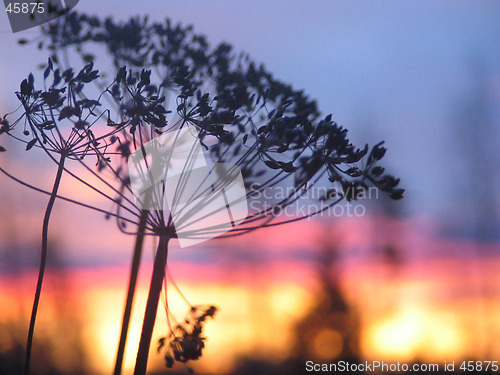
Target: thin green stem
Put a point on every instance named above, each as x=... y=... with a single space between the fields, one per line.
x=152 y=305
x=43 y=261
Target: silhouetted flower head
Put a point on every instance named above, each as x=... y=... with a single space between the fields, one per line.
x=185 y=341
x=60 y=117
x=166 y=81
x=168 y=77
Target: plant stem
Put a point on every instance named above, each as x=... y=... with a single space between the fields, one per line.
x=152 y=305
x=134 y=272
x=43 y=261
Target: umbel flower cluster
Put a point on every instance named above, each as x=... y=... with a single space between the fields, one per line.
x=185 y=342
x=109 y=88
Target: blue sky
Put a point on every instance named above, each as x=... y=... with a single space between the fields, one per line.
x=392 y=70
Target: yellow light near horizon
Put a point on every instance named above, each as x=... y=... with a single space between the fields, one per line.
x=290 y=301
x=105 y=308
x=246 y=319
x=415 y=332
x=395 y=337
x=102 y=328
x=406 y=320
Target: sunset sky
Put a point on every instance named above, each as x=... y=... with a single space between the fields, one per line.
x=421 y=273
x=387 y=70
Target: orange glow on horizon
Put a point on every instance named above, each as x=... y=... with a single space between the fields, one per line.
x=430 y=308
x=413 y=328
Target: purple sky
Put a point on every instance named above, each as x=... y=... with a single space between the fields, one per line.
x=389 y=70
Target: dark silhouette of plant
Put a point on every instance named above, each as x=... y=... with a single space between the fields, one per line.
x=166 y=79
x=185 y=342
x=63 y=103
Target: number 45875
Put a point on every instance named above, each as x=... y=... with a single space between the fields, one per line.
x=476 y=366
x=25 y=8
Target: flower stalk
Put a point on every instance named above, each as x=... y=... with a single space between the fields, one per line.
x=155 y=289
x=134 y=273
x=43 y=261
